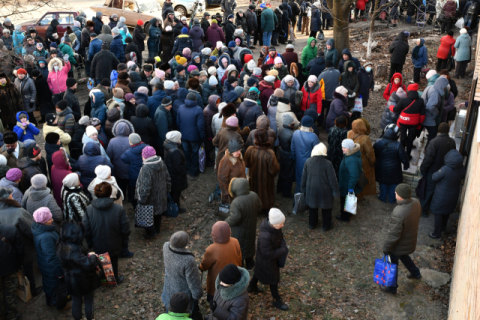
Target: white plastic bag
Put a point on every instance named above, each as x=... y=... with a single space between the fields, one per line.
x=351 y=203
x=460 y=23
x=300 y=205
x=358 y=107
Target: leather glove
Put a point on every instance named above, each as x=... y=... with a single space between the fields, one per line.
x=65 y=57
x=10 y=150
x=32 y=104
x=214 y=305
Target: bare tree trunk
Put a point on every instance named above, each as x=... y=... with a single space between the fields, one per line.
x=376 y=11
x=341 y=16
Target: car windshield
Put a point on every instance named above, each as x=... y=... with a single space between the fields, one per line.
x=148 y=6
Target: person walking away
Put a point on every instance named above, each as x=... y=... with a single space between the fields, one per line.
x=433 y=161
x=445 y=50
x=107 y=227
x=401 y=239
x=181 y=271
x=349 y=80
x=389 y=155
x=335 y=138
x=139 y=37
x=271 y=249
x=230 y=166
x=398 y=52
x=309 y=53
x=419 y=58
x=176 y=164
x=225 y=250
x=449 y=11
x=286 y=175
x=464 y=53
x=320 y=186
x=269 y=21
x=74 y=200
x=79 y=269
x=11 y=180
x=350 y=170
x=26 y=86
x=366 y=81
x=434 y=97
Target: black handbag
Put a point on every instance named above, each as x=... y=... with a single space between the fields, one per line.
x=60 y=296
x=362 y=181
x=421 y=187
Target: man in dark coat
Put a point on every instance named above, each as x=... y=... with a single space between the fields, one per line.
x=252 y=25
x=176 y=164
x=316 y=65
x=72 y=99
x=244 y=209
x=272 y=253
x=145 y=126
x=163 y=120
x=398 y=49
x=98 y=22
x=229 y=29
x=51 y=31
x=435 y=154
x=365 y=79
x=31 y=165
x=286 y=176
x=204 y=23
x=102 y=64
x=106 y=226
x=347 y=56
x=401 y=240
x=11 y=101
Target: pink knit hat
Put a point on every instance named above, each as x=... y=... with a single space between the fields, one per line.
x=191 y=68
x=187 y=51
x=148 y=152
x=278 y=60
x=42 y=215
x=159 y=73
x=14 y=174
x=232 y=121
x=143 y=90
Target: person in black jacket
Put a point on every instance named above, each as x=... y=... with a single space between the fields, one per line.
x=398 y=49
x=44 y=95
x=103 y=63
x=176 y=164
x=316 y=65
x=106 y=226
x=434 y=159
x=204 y=22
x=12 y=250
x=139 y=37
x=286 y=176
x=145 y=126
x=389 y=155
x=98 y=22
x=31 y=165
x=229 y=29
x=79 y=269
x=72 y=99
x=365 y=79
x=295 y=12
x=252 y=25
x=76 y=144
x=131 y=49
x=51 y=33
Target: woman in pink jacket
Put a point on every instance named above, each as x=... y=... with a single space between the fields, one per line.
x=57 y=77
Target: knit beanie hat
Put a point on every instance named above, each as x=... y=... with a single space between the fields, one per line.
x=14 y=174
x=239 y=90
x=179 y=240
x=251 y=82
x=71 y=180
x=401 y=93
x=184 y=30
x=115 y=30
x=232 y=121
x=232 y=79
x=348 y=143
x=411 y=87
x=191 y=96
x=180 y=60
x=118 y=93
x=166 y=102
x=179 y=302
x=180 y=68
x=257 y=71
x=251 y=65
x=287 y=119
x=148 y=152
x=3 y=160
x=463 y=31
x=342 y=90
x=52 y=138
x=62 y=104
x=129 y=96
x=174 y=136
x=430 y=74
x=103 y=190
x=270 y=79
x=211 y=70
x=307 y=122
x=206 y=51
x=91 y=130
x=278 y=60
x=212 y=81
x=443 y=128
x=404 y=191
x=233 y=145
x=143 y=90
x=39 y=181
x=168 y=85
x=230 y=274
x=252 y=95
x=134 y=138
x=275 y=216
x=191 y=68
x=105 y=82
x=84 y=121
x=71 y=82
x=312 y=78
x=50 y=118
x=42 y=215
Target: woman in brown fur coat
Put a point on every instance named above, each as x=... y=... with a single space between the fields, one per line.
x=228 y=111
x=223 y=137
x=231 y=166
x=263 y=167
x=359 y=134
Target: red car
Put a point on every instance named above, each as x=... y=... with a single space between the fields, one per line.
x=65 y=19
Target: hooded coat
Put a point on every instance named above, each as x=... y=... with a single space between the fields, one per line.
x=399 y=49
x=197 y=35
x=350 y=81
x=335 y=154
x=341 y=67
x=57 y=80
x=52 y=28
x=60 y=169
x=446 y=47
x=102 y=64
x=181 y=42
x=420 y=55
x=434 y=97
x=208 y=113
x=133 y=157
x=166 y=40
x=145 y=126
x=309 y=53
x=17 y=195
x=37 y=198
x=98 y=22
x=312 y=97
x=303 y=143
x=248 y=113
x=388 y=115
x=214 y=34
x=221 y=140
x=153 y=184
x=87 y=163
x=176 y=164
x=25 y=132
x=117 y=147
x=350 y=170
x=266 y=91
x=263 y=122
x=393 y=87
x=464 y=47
x=105 y=35
x=27 y=89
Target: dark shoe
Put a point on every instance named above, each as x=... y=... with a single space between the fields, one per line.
x=424 y=214
x=411 y=276
x=387 y=290
x=326 y=229
x=147 y=236
x=120 y=279
x=311 y=227
x=252 y=48
x=431 y=235
x=37 y=291
x=182 y=210
x=280 y=305
x=254 y=289
x=341 y=219
x=126 y=254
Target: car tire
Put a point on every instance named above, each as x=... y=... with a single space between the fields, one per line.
x=182 y=10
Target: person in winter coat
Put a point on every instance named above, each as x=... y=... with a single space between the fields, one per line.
x=133 y=157
x=312 y=95
x=283 y=107
x=57 y=78
x=87 y=163
x=214 y=33
x=389 y=155
x=11 y=180
x=433 y=161
x=197 y=35
x=98 y=22
x=167 y=41
x=316 y=65
x=44 y=95
x=139 y=37
x=335 y=138
x=45 y=238
x=331 y=54
x=347 y=56
x=116 y=148
x=316 y=20
x=153 y=41
x=249 y=111
x=24 y=129
x=396 y=81
x=91 y=135
x=13 y=150
x=419 y=58
x=398 y=52
x=366 y=81
x=51 y=34
x=349 y=80
x=320 y=186
x=26 y=86
x=447 y=189
x=116 y=46
x=104 y=174
x=208 y=113
x=271 y=254
x=463 y=44
x=290 y=56
x=445 y=50
x=290 y=86
x=388 y=116
x=79 y=269
x=309 y=53
x=230 y=164
x=204 y=22
x=178 y=308
x=65 y=118
x=145 y=126
x=225 y=250
x=228 y=7
x=73 y=198
x=155 y=101
x=103 y=63
x=263 y=122
x=182 y=41
x=31 y=164
x=163 y=121
x=434 y=97
x=350 y=170
x=268 y=22
x=251 y=24
x=11 y=101
x=181 y=271
x=287 y=163
x=231 y=298
x=177 y=168
x=38 y=196
x=60 y=169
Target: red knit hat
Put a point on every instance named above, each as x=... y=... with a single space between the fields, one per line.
x=140 y=22
x=247 y=58
x=21 y=71
x=413 y=87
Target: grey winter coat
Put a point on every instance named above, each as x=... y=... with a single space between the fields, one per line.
x=288 y=91
x=27 y=89
x=106 y=35
x=403 y=228
x=38 y=198
x=153 y=184
x=228 y=6
x=118 y=145
x=319 y=182
x=434 y=100
x=232 y=302
x=17 y=194
x=181 y=275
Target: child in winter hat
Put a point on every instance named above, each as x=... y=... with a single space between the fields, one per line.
x=276 y=217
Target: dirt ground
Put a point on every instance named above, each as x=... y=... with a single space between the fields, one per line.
x=327 y=275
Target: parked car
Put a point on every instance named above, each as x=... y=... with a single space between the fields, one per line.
x=65 y=18
x=186 y=7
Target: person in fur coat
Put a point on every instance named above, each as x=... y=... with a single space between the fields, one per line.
x=230 y=166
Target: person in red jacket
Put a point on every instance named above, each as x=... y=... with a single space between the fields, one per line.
x=267 y=88
x=445 y=50
x=395 y=83
x=360 y=10
x=312 y=95
x=412 y=115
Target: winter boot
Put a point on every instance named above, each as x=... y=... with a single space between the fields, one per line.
x=254 y=289
x=277 y=303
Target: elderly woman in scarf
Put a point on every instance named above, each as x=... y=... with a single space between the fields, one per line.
x=104 y=174
x=91 y=135
x=75 y=201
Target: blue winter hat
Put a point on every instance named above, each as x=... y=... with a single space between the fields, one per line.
x=184 y=30
x=307 y=121
x=230 y=16
x=214 y=58
x=263 y=6
x=232 y=96
x=231 y=44
x=329 y=42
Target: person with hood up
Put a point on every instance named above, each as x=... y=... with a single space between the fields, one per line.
x=335 y=138
x=463 y=44
x=263 y=167
x=57 y=77
x=347 y=56
x=91 y=135
x=156 y=99
x=45 y=238
x=320 y=186
x=176 y=164
x=396 y=82
x=230 y=163
x=210 y=110
x=182 y=41
x=272 y=252
x=366 y=81
x=98 y=22
x=107 y=228
x=145 y=126
x=419 y=58
x=224 y=62
x=113 y=20
x=123 y=30
x=349 y=80
x=197 y=35
x=115 y=150
x=24 y=129
x=447 y=189
x=388 y=115
x=153 y=41
x=283 y=107
x=312 y=95
x=225 y=250
x=181 y=95
x=350 y=170
x=398 y=53
x=389 y=155
x=263 y=122
x=445 y=50
x=26 y=86
x=214 y=33
x=105 y=35
x=359 y=135
x=11 y=101
x=434 y=97
x=303 y=142
x=11 y=180
x=51 y=34
x=99 y=109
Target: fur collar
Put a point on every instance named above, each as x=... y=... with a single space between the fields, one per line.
x=353 y=150
x=232 y=159
x=306 y=129
x=235 y=290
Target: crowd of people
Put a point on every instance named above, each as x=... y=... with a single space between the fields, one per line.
x=139 y=139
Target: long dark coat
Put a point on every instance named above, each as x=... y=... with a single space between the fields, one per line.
x=389 y=155
x=319 y=183
x=287 y=163
x=153 y=184
x=11 y=101
x=335 y=153
x=176 y=165
x=166 y=40
x=44 y=96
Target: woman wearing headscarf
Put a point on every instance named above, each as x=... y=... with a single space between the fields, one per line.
x=176 y=164
x=104 y=174
x=74 y=200
x=91 y=135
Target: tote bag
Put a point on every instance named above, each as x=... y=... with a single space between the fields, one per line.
x=385 y=272
x=143 y=216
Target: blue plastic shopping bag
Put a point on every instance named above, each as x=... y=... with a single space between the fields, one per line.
x=385 y=272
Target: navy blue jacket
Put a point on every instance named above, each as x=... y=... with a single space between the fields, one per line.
x=118 y=145
x=133 y=157
x=154 y=101
x=422 y=56
x=94 y=47
x=183 y=41
x=365 y=80
x=154 y=34
x=87 y=163
x=390 y=155
x=190 y=121
x=355 y=61
x=144 y=126
x=117 y=48
x=181 y=95
x=316 y=66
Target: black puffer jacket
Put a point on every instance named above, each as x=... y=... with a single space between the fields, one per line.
x=448 y=182
x=106 y=226
x=399 y=49
x=13 y=251
x=139 y=38
x=389 y=155
x=52 y=28
x=435 y=153
x=144 y=126
x=270 y=246
x=176 y=165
